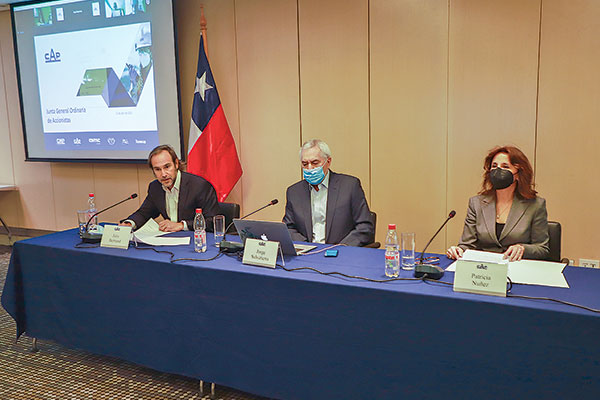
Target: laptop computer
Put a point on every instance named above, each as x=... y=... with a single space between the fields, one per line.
x=269 y=230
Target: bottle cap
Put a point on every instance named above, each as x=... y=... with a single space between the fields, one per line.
x=198 y=211
x=392 y=226
x=91 y=195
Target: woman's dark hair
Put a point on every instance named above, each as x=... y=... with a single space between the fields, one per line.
x=525 y=185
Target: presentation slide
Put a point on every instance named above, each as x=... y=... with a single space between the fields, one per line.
x=98 y=79
x=78 y=96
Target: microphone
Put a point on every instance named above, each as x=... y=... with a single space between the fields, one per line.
x=428 y=270
x=231 y=247
x=88 y=237
x=271 y=203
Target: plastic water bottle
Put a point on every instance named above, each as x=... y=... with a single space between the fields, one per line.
x=199 y=232
x=92 y=210
x=392 y=254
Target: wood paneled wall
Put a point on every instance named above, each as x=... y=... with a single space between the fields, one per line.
x=492 y=80
x=410 y=94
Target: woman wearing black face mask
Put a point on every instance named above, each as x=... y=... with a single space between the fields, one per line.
x=507 y=216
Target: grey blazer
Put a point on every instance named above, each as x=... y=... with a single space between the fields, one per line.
x=527 y=224
x=348 y=219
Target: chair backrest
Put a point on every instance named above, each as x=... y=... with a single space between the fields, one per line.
x=230 y=211
x=374 y=219
x=555 y=233
x=374 y=245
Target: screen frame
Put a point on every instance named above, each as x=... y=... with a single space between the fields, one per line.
x=29 y=158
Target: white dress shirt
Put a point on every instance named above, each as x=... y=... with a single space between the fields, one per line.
x=318 y=204
x=172 y=200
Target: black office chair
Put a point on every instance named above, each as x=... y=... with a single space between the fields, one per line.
x=555 y=234
x=230 y=211
x=374 y=245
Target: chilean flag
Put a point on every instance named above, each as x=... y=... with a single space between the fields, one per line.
x=212 y=153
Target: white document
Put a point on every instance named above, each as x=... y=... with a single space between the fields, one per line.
x=536 y=272
x=165 y=241
x=150 y=228
x=527 y=272
x=150 y=234
x=477 y=255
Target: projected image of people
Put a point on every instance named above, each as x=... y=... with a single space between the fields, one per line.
x=42 y=16
x=119 y=8
x=138 y=64
x=139 y=5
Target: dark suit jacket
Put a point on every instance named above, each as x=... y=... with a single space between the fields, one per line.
x=348 y=219
x=194 y=192
x=527 y=224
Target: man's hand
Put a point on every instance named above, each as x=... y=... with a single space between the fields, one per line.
x=125 y=223
x=170 y=226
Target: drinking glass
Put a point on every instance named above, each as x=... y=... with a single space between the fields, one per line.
x=219 y=228
x=408 y=250
x=82 y=216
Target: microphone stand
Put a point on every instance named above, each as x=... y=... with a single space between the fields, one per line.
x=232 y=247
x=86 y=236
x=429 y=270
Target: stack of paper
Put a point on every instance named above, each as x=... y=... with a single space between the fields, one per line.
x=528 y=272
x=150 y=234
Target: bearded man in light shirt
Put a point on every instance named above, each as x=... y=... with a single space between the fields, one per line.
x=174 y=194
x=327 y=207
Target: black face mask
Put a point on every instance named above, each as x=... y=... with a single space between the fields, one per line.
x=501 y=178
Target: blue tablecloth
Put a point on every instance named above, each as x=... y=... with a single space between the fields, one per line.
x=304 y=335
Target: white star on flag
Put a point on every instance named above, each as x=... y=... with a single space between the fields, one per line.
x=201 y=85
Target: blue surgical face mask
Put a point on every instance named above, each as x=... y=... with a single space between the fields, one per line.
x=314 y=176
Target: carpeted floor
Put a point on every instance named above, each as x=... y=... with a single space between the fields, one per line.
x=59 y=373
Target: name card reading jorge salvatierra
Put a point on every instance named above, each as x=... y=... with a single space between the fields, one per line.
x=260 y=252
x=481 y=277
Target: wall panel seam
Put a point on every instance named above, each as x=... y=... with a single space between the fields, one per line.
x=447 y=108
x=369 y=102
x=237 y=93
x=12 y=158
x=299 y=72
x=537 y=93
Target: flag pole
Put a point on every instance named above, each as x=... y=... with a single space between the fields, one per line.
x=203 y=29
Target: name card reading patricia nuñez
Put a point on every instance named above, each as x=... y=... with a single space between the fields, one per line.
x=481 y=277
x=260 y=252
x=116 y=236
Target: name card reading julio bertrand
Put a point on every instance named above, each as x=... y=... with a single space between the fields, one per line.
x=260 y=252
x=481 y=277
x=116 y=236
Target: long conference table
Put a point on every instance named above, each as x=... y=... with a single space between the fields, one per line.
x=303 y=335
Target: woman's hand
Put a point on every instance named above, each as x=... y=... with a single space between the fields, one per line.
x=514 y=252
x=454 y=252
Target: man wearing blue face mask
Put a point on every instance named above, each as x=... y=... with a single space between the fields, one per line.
x=326 y=207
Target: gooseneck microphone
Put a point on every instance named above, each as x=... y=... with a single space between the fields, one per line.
x=428 y=270
x=271 y=203
x=96 y=237
x=227 y=246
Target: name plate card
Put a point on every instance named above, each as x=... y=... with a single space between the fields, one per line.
x=260 y=252
x=116 y=236
x=481 y=277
